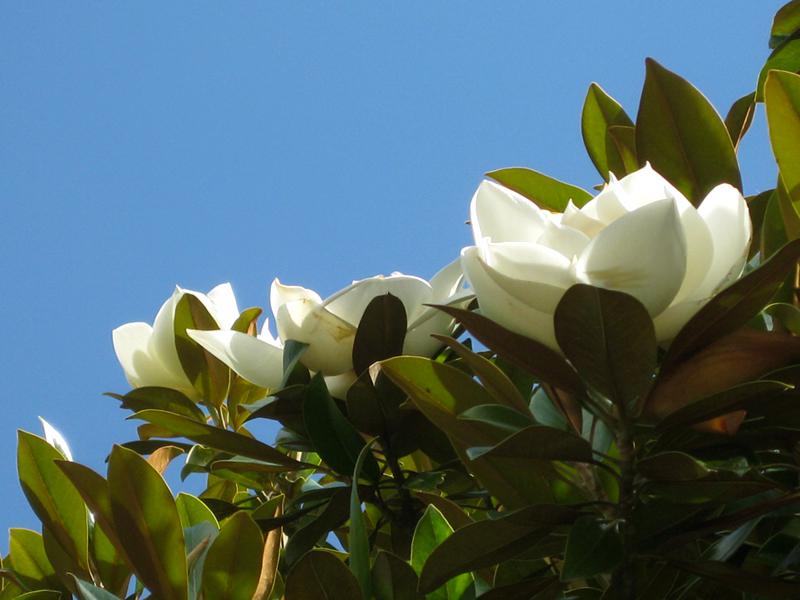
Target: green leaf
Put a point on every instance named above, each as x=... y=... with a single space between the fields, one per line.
x=161 y=399
x=233 y=563
x=610 y=339
x=246 y=321
x=672 y=466
x=112 y=564
x=497 y=415
x=333 y=515
x=490 y=375
x=89 y=591
x=623 y=139
x=145 y=517
x=788 y=315
x=546 y=192
x=740 y=117
x=40 y=595
x=192 y=511
x=381 y=332
x=734 y=306
x=28 y=560
x=319 y=575
x=334 y=438
x=393 y=578
x=538 y=442
x=593 y=547
x=292 y=353
x=682 y=136
x=53 y=498
x=785 y=23
x=209 y=376
x=782 y=100
x=600 y=112
x=220 y=439
x=739 y=579
x=358 y=540
x=785 y=57
x=431 y=531
x=533 y=357
x=491 y=541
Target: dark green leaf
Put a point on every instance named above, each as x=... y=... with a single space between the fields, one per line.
x=544 y=191
x=431 y=531
x=319 y=575
x=53 y=498
x=530 y=355
x=233 y=564
x=740 y=117
x=292 y=353
x=538 y=442
x=623 y=139
x=785 y=57
x=381 y=332
x=672 y=466
x=497 y=415
x=739 y=579
x=393 y=578
x=161 y=399
x=785 y=23
x=334 y=438
x=610 y=339
x=682 y=136
x=335 y=513
x=601 y=111
x=89 y=591
x=220 y=439
x=734 y=306
x=357 y=538
x=145 y=517
x=593 y=547
x=491 y=541
x=782 y=100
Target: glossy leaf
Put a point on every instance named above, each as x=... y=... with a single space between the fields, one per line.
x=214 y=437
x=497 y=415
x=782 y=100
x=535 y=358
x=246 y=321
x=145 y=517
x=682 y=136
x=623 y=139
x=600 y=112
x=292 y=353
x=544 y=191
x=334 y=514
x=734 y=306
x=319 y=575
x=431 y=531
x=358 y=539
x=393 y=578
x=610 y=339
x=112 y=565
x=740 y=117
x=53 y=498
x=491 y=541
x=785 y=57
x=593 y=547
x=538 y=442
x=785 y=23
x=334 y=438
x=28 y=559
x=381 y=332
x=161 y=399
x=89 y=591
x=233 y=564
x=192 y=511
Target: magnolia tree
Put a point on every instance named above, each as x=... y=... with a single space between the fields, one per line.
x=596 y=400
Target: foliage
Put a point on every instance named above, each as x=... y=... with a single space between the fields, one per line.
x=601 y=462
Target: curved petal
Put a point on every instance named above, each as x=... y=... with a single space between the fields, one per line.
x=503 y=308
x=280 y=294
x=504 y=216
x=670 y=322
x=699 y=250
x=642 y=254
x=339 y=384
x=725 y=213
x=223 y=305
x=349 y=304
x=607 y=206
x=646 y=186
x=564 y=239
x=132 y=343
x=418 y=340
x=257 y=361
x=580 y=220
x=446 y=282
x=162 y=342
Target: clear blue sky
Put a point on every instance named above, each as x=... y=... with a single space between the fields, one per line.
x=148 y=144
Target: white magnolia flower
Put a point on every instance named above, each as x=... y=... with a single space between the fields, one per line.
x=639 y=235
x=147 y=353
x=329 y=327
x=55 y=439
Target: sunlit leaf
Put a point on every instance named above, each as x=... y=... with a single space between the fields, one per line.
x=393 y=578
x=546 y=192
x=740 y=117
x=233 y=564
x=431 y=531
x=319 y=575
x=600 y=112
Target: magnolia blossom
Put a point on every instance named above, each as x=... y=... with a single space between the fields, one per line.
x=147 y=353
x=639 y=235
x=329 y=326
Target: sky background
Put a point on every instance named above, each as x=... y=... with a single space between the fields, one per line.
x=144 y=145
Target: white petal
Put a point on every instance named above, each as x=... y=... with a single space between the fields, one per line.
x=418 y=340
x=300 y=316
x=607 y=206
x=55 y=439
x=646 y=186
x=339 y=384
x=725 y=212
x=504 y=216
x=699 y=249
x=223 y=305
x=564 y=239
x=162 y=343
x=349 y=304
x=534 y=274
x=642 y=254
x=257 y=361
x=500 y=306
x=446 y=282
x=670 y=322
x=580 y=220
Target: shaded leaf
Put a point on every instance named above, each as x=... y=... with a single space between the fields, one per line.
x=740 y=117
x=335 y=513
x=600 y=112
x=782 y=101
x=739 y=579
x=319 y=575
x=358 y=540
x=682 y=136
x=546 y=192
x=623 y=139
x=593 y=547
x=161 y=399
x=381 y=332
x=497 y=415
x=431 y=531
x=393 y=578
x=538 y=442
x=233 y=564
x=671 y=466
x=785 y=23
x=89 y=591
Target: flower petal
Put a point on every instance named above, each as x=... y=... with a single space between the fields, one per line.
x=564 y=239
x=223 y=305
x=339 y=384
x=725 y=213
x=501 y=306
x=446 y=282
x=642 y=254
x=504 y=216
x=670 y=321
x=349 y=304
x=646 y=186
x=257 y=361
x=580 y=220
x=132 y=343
x=162 y=343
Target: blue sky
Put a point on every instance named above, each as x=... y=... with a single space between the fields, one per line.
x=148 y=144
